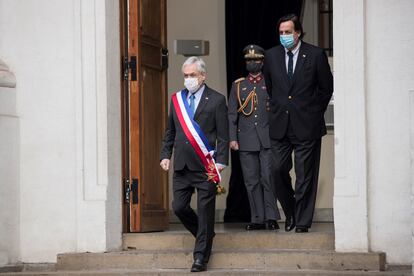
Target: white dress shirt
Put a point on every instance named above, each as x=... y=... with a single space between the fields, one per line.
x=198 y=94
x=295 y=53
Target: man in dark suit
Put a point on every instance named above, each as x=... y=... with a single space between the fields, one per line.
x=300 y=83
x=208 y=109
x=249 y=134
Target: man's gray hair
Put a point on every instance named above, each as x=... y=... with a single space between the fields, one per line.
x=201 y=65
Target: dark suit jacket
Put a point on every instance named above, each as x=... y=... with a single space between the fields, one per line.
x=211 y=116
x=302 y=100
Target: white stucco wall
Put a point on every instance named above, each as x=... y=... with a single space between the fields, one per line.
x=64 y=56
x=373 y=76
x=412 y=174
x=390 y=71
x=9 y=169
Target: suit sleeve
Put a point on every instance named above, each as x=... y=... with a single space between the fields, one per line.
x=233 y=114
x=169 y=136
x=325 y=80
x=222 y=132
x=267 y=75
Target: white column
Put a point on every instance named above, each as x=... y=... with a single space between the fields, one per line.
x=389 y=71
x=412 y=173
x=97 y=101
x=68 y=162
x=113 y=202
x=350 y=190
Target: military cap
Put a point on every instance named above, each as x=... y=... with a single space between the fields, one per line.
x=253 y=52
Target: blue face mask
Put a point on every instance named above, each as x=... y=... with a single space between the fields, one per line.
x=287 y=41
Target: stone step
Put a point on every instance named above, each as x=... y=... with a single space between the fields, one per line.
x=263 y=259
x=216 y=272
x=234 y=240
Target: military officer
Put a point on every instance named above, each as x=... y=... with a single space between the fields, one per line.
x=249 y=134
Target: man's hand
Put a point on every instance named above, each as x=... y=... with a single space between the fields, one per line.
x=220 y=167
x=234 y=145
x=165 y=164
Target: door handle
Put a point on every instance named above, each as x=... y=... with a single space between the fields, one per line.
x=164 y=58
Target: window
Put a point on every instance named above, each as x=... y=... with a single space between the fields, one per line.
x=325 y=26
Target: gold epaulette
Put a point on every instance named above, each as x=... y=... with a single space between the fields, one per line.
x=239 y=80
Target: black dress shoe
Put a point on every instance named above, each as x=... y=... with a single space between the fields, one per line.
x=301 y=230
x=290 y=223
x=255 y=226
x=272 y=225
x=198 y=266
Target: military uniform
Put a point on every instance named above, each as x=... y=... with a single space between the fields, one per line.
x=249 y=126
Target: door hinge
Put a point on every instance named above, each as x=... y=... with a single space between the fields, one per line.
x=127 y=191
x=130 y=65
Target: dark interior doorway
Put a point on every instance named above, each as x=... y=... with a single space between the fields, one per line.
x=248 y=22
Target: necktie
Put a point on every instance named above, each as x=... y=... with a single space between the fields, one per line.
x=290 y=65
x=192 y=103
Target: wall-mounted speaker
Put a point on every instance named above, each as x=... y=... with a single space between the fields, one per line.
x=187 y=47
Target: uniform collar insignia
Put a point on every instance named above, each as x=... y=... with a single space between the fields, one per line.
x=256 y=79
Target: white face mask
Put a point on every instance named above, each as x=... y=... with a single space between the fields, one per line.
x=191 y=84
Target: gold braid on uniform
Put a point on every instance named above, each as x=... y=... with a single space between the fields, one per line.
x=252 y=98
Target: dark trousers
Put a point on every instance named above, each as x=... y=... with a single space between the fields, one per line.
x=256 y=166
x=200 y=225
x=300 y=201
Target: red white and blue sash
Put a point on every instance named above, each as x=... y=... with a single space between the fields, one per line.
x=194 y=134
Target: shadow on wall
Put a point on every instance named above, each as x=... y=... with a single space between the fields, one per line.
x=9 y=168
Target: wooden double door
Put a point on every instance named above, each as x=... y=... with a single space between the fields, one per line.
x=144 y=109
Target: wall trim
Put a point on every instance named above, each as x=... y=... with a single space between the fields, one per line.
x=91 y=98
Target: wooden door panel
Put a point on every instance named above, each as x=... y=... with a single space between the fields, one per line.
x=147 y=116
x=152 y=125
x=154 y=191
x=151 y=55
x=152 y=18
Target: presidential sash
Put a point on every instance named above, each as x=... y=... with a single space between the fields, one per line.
x=196 y=137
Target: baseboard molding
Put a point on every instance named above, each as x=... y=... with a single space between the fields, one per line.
x=320 y=215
